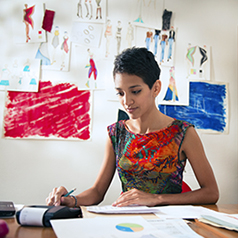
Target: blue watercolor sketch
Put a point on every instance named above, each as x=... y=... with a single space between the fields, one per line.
x=207 y=110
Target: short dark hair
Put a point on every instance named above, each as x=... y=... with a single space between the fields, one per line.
x=138 y=61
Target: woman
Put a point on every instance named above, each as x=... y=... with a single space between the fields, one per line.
x=149 y=150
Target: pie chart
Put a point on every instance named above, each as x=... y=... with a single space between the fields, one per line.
x=129 y=227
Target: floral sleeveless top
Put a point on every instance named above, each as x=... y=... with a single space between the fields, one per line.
x=149 y=162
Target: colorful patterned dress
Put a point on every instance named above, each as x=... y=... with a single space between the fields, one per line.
x=149 y=162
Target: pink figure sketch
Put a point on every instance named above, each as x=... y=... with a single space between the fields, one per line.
x=27 y=19
x=92 y=69
x=65 y=48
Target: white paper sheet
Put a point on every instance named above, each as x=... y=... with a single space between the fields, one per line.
x=184 y=211
x=174 y=227
x=123 y=210
x=107 y=227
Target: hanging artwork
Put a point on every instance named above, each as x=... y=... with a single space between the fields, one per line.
x=208 y=107
x=160 y=42
x=28 y=23
x=58 y=111
x=87 y=34
x=88 y=68
x=19 y=74
x=174 y=89
x=55 y=54
x=91 y=10
x=198 y=62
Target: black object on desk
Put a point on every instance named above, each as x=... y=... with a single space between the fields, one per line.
x=7 y=209
x=41 y=215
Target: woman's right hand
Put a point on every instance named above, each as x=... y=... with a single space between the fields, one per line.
x=56 y=198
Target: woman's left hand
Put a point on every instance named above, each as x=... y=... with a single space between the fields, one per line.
x=136 y=197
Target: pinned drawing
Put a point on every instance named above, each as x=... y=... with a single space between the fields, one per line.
x=27 y=18
x=92 y=70
x=19 y=74
x=198 y=62
x=98 y=10
x=139 y=19
x=108 y=36
x=90 y=10
x=171 y=94
x=130 y=34
x=87 y=34
x=175 y=89
x=55 y=54
x=118 y=36
x=156 y=40
x=28 y=23
x=65 y=50
x=208 y=107
x=58 y=111
x=163 y=44
x=171 y=41
x=149 y=38
x=43 y=54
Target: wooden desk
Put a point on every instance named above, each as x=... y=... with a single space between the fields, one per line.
x=17 y=231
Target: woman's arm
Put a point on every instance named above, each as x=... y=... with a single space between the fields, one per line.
x=192 y=148
x=93 y=195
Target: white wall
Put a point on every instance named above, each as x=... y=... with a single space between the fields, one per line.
x=29 y=169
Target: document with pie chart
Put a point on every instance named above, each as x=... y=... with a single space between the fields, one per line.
x=105 y=227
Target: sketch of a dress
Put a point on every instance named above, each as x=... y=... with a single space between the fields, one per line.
x=4 y=76
x=171 y=94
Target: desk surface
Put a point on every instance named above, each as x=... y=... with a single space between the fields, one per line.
x=200 y=228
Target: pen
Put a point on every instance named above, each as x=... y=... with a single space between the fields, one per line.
x=67 y=194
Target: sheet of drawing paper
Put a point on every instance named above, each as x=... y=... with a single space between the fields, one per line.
x=90 y=11
x=58 y=111
x=89 y=67
x=19 y=74
x=160 y=43
x=87 y=33
x=48 y=20
x=175 y=89
x=27 y=22
x=55 y=54
x=208 y=107
x=198 y=62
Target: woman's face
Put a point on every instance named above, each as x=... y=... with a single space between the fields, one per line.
x=134 y=95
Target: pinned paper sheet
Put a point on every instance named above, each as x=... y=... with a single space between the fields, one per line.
x=120 y=210
x=117 y=227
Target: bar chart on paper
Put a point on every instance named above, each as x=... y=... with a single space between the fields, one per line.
x=129 y=227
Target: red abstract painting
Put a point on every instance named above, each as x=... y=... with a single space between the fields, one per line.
x=58 y=111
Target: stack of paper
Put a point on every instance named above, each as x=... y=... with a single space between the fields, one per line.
x=222 y=220
x=123 y=210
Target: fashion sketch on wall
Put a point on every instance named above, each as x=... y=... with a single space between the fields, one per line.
x=198 y=62
x=19 y=74
x=55 y=54
x=27 y=23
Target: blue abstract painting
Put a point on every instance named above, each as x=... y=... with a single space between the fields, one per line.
x=207 y=107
